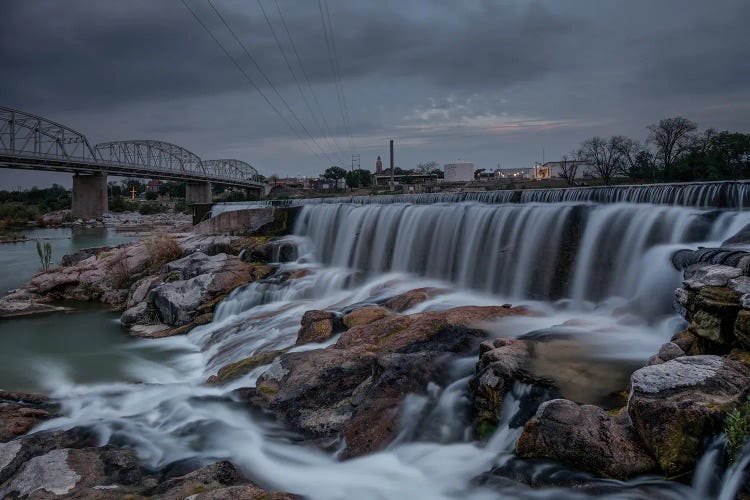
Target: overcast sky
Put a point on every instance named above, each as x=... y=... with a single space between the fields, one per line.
x=493 y=82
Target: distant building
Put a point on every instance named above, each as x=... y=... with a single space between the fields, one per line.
x=379 y=166
x=153 y=186
x=514 y=173
x=459 y=172
x=553 y=169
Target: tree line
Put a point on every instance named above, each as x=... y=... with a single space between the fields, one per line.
x=364 y=178
x=674 y=150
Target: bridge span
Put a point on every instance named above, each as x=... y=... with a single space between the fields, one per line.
x=33 y=142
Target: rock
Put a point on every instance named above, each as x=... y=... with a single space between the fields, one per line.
x=136 y=314
x=364 y=316
x=682 y=296
x=243 y=367
x=712 y=314
x=377 y=401
x=585 y=437
x=699 y=275
x=140 y=289
x=675 y=405
x=243 y=493
x=209 y=478
x=19 y=412
x=740 y=286
x=667 y=352
x=179 y=302
x=502 y=363
x=355 y=383
x=318 y=326
x=396 y=332
x=209 y=244
x=742 y=327
x=742 y=237
x=79 y=473
x=407 y=300
x=10 y=308
x=82 y=254
x=149 y=331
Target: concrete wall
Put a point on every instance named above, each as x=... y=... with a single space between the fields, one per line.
x=89 y=196
x=198 y=192
x=270 y=221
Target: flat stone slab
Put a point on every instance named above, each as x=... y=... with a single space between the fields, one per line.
x=686 y=371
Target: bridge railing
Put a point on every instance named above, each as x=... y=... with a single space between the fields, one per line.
x=25 y=137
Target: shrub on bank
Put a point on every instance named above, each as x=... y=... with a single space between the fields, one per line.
x=162 y=248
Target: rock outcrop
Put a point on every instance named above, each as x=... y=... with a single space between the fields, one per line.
x=355 y=386
x=587 y=438
x=676 y=405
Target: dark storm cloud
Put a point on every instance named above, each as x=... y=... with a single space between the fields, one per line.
x=97 y=52
x=492 y=81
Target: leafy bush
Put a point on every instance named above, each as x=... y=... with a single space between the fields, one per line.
x=736 y=427
x=162 y=248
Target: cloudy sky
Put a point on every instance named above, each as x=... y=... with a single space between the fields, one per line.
x=493 y=82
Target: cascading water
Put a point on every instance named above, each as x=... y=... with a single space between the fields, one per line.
x=725 y=194
x=570 y=261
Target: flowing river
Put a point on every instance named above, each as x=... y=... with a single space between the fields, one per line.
x=606 y=267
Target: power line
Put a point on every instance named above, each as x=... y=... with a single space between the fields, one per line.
x=268 y=80
x=247 y=77
x=294 y=76
x=307 y=78
x=334 y=68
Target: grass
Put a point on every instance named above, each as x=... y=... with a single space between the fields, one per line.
x=162 y=248
x=119 y=270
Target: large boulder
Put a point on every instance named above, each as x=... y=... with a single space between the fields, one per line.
x=204 y=278
x=675 y=405
x=585 y=437
x=319 y=326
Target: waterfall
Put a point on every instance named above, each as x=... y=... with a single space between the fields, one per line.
x=522 y=251
x=724 y=194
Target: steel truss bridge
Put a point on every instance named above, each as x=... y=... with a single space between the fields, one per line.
x=32 y=142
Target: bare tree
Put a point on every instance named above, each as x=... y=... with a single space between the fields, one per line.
x=603 y=157
x=427 y=167
x=631 y=155
x=569 y=169
x=672 y=138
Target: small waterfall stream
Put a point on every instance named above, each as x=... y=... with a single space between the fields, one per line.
x=568 y=261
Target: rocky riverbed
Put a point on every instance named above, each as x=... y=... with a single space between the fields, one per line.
x=345 y=383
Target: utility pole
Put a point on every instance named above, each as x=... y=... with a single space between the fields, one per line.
x=355 y=163
x=393 y=180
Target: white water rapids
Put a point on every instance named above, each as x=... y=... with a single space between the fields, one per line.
x=605 y=266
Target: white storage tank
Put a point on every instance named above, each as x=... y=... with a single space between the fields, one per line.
x=462 y=171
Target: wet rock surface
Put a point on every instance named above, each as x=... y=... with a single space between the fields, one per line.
x=676 y=405
x=355 y=387
x=319 y=326
x=68 y=464
x=587 y=438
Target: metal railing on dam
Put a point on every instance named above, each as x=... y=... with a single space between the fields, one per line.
x=720 y=194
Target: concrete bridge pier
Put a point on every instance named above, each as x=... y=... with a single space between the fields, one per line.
x=89 y=195
x=198 y=192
